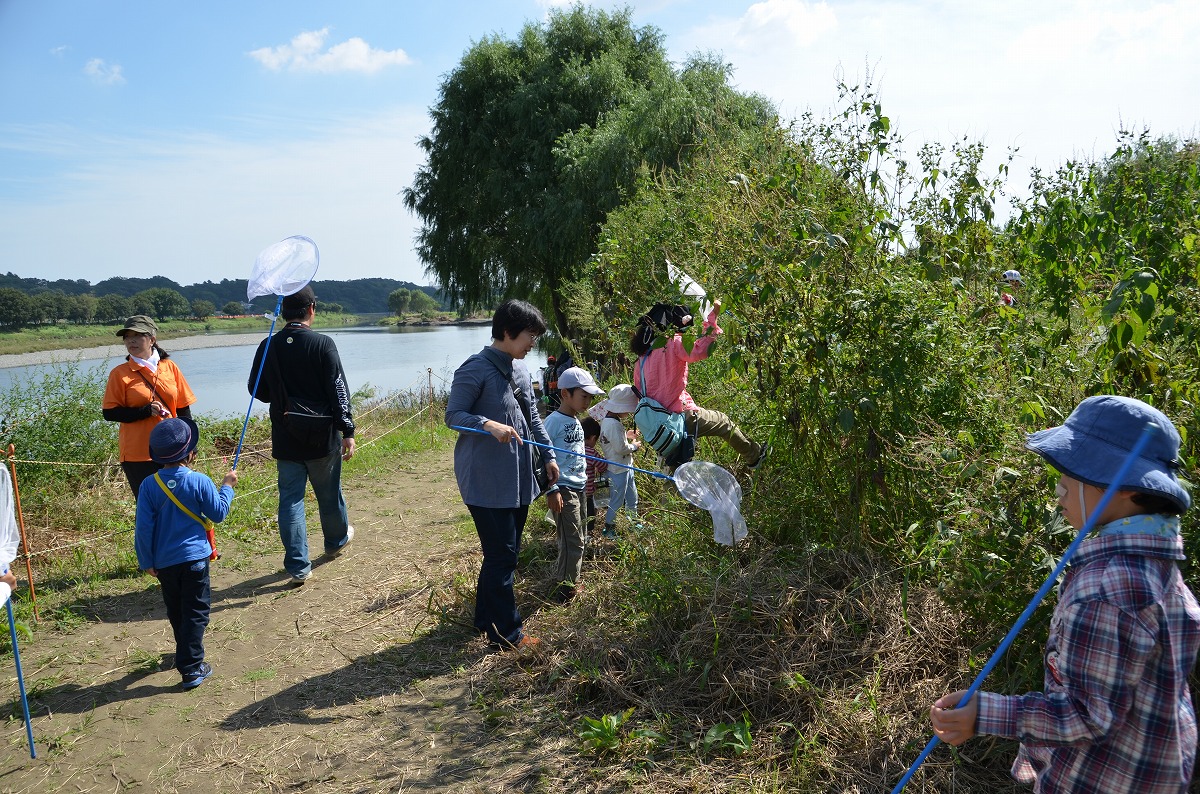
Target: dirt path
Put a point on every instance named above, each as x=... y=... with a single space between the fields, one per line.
x=345 y=684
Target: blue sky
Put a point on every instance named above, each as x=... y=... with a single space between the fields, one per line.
x=143 y=138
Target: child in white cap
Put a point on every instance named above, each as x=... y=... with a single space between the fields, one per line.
x=565 y=497
x=1116 y=714
x=619 y=445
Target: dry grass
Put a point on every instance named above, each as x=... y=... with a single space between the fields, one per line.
x=816 y=653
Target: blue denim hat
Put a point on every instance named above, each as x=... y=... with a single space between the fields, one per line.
x=172 y=440
x=1097 y=437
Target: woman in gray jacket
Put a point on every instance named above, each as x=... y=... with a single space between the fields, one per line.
x=492 y=391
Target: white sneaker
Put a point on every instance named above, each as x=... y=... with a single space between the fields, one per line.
x=299 y=580
x=341 y=548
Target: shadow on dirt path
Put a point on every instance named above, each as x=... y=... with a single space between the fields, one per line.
x=345 y=684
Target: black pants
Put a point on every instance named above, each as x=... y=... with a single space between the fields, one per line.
x=496 y=612
x=138 y=470
x=186 y=593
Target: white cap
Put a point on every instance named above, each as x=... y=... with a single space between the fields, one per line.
x=622 y=399
x=576 y=377
x=1013 y=275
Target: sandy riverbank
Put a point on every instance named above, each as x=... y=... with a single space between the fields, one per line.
x=110 y=351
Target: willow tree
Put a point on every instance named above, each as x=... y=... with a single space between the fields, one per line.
x=535 y=140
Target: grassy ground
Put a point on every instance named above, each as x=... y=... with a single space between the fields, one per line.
x=682 y=666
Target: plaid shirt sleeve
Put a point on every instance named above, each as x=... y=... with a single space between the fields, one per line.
x=1096 y=657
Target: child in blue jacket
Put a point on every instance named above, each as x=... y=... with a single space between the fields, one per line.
x=171 y=542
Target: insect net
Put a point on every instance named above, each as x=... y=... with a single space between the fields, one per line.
x=714 y=489
x=283 y=268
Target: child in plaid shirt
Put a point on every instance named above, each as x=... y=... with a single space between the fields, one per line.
x=1116 y=714
x=595 y=468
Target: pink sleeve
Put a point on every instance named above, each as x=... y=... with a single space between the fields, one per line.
x=699 y=352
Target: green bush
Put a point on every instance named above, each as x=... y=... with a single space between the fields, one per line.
x=55 y=417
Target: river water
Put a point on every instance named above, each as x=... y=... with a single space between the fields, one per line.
x=385 y=359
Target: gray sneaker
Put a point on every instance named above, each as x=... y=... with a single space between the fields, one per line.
x=301 y=579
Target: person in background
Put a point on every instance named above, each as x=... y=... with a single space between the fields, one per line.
x=595 y=468
x=662 y=374
x=492 y=391
x=1116 y=714
x=304 y=367
x=142 y=391
x=576 y=388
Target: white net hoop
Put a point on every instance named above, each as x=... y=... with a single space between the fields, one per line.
x=688 y=286
x=708 y=486
x=283 y=268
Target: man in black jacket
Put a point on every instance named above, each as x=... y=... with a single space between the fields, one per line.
x=312 y=430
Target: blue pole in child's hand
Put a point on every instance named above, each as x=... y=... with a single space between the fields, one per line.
x=12 y=631
x=1109 y=492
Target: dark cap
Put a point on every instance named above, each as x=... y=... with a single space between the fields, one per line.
x=295 y=304
x=139 y=324
x=172 y=440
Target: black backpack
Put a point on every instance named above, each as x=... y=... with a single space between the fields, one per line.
x=550 y=375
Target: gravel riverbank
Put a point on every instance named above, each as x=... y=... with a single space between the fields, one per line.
x=109 y=351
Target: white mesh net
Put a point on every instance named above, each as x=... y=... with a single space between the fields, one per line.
x=713 y=488
x=283 y=268
x=10 y=538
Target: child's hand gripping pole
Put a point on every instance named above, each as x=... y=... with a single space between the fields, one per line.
x=1109 y=492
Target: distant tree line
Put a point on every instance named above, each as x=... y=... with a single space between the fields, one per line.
x=36 y=301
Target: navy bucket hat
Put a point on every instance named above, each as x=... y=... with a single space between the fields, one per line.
x=172 y=440
x=1097 y=437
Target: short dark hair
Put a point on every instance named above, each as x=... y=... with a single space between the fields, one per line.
x=295 y=306
x=513 y=317
x=1155 y=504
x=591 y=428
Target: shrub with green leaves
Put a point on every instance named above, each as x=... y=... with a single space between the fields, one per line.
x=55 y=416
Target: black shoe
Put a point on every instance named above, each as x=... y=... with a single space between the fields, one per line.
x=197 y=678
x=763 y=451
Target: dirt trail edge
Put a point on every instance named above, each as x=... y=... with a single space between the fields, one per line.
x=344 y=684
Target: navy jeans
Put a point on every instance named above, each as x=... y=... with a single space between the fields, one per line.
x=186 y=593
x=495 y=603
x=325 y=474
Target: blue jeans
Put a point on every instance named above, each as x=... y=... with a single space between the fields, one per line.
x=326 y=477
x=496 y=612
x=622 y=493
x=186 y=593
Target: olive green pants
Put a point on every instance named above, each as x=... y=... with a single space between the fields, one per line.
x=702 y=422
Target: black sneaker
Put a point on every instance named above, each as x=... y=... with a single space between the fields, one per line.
x=197 y=678
x=763 y=451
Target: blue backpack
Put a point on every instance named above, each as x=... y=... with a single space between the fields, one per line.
x=662 y=429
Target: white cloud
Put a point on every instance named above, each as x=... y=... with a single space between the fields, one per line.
x=306 y=53
x=1054 y=79
x=794 y=21
x=203 y=205
x=103 y=72
x=59 y=50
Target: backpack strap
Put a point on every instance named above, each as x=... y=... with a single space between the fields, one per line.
x=210 y=529
x=204 y=522
x=642 y=373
